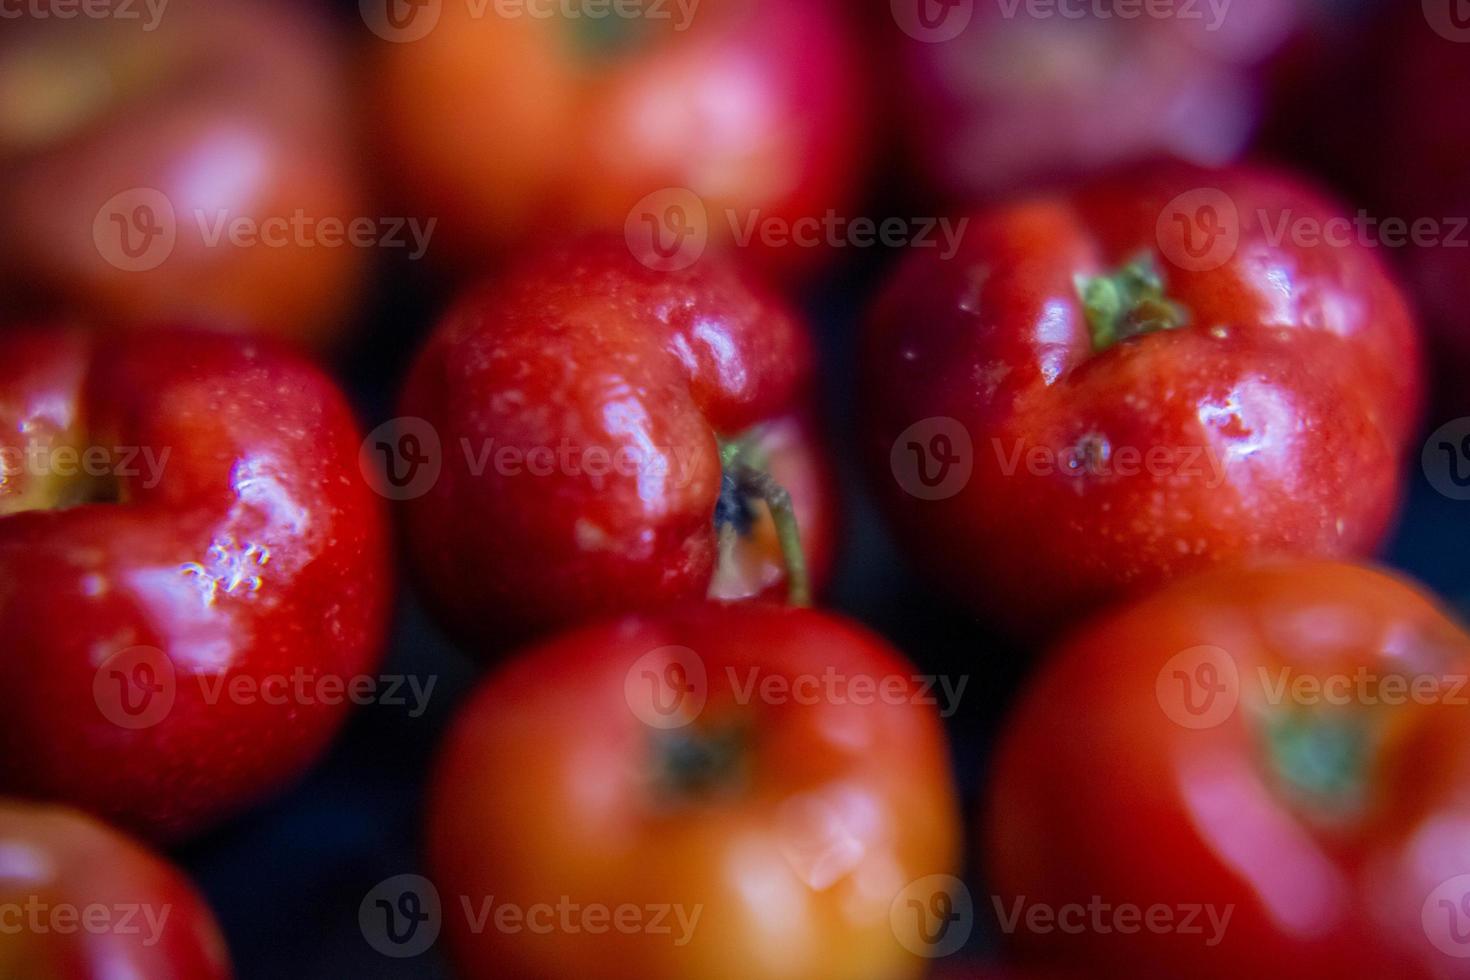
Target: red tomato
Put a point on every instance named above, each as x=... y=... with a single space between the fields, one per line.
x=506 y=121
x=698 y=760
x=999 y=96
x=79 y=901
x=1151 y=376
x=184 y=532
x=181 y=171
x=581 y=406
x=1270 y=763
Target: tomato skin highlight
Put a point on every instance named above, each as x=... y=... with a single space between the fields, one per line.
x=1269 y=417
x=553 y=783
x=1249 y=742
x=238 y=563
x=582 y=355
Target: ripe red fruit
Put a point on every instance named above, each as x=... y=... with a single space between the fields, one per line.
x=131 y=150
x=505 y=124
x=996 y=97
x=1281 y=750
x=600 y=435
x=776 y=776
x=1156 y=374
x=184 y=530
x=85 y=902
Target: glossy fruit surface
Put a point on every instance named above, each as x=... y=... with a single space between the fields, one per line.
x=185 y=169
x=585 y=410
x=190 y=564
x=1273 y=761
x=83 y=902
x=508 y=125
x=774 y=779
x=1160 y=373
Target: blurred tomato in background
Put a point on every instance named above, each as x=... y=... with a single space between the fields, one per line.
x=179 y=169
x=704 y=119
x=82 y=901
x=999 y=96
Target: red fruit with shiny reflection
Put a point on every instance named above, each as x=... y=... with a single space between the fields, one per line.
x=580 y=405
x=183 y=529
x=83 y=902
x=132 y=150
x=1150 y=376
x=1286 y=745
x=505 y=125
x=633 y=764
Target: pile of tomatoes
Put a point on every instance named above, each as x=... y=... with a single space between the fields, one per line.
x=490 y=409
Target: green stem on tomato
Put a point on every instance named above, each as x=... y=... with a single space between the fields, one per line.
x=745 y=468
x=1323 y=760
x=1128 y=303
